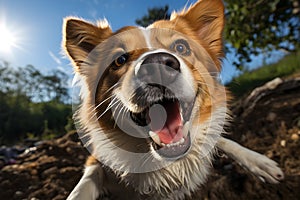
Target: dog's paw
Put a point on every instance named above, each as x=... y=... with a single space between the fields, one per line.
x=263 y=167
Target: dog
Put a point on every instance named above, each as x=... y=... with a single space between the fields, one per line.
x=152 y=110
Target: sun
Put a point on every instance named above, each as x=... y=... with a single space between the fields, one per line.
x=7 y=39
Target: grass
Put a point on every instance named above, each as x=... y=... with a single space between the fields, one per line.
x=249 y=80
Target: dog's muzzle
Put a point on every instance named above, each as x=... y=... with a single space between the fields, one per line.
x=158 y=96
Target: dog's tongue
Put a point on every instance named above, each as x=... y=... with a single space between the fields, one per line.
x=171 y=131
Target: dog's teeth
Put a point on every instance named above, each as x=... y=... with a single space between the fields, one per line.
x=155 y=138
x=185 y=129
x=181 y=141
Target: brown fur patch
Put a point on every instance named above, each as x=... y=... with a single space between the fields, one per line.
x=91 y=161
x=81 y=37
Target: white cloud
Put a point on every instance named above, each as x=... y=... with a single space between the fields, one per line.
x=55 y=58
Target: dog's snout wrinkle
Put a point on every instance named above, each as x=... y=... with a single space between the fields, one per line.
x=159 y=68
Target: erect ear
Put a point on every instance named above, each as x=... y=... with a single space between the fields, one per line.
x=206 y=17
x=81 y=37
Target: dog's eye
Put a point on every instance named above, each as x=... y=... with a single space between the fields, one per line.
x=181 y=47
x=121 y=60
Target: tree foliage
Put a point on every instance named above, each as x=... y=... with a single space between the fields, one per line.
x=30 y=82
x=252 y=27
x=32 y=102
x=261 y=26
x=153 y=15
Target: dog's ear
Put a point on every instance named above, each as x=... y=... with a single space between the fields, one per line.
x=81 y=37
x=206 y=17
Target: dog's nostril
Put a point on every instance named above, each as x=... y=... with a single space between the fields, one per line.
x=172 y=65
x=171 y=62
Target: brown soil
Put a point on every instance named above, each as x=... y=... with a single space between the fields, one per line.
x=267 y=122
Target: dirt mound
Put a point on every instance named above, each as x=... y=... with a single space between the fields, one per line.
x=267 y=121
x=48 y=172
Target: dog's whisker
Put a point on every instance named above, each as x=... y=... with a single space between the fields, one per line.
x=123 y=111
x=103 y=101
x=126 y=111
x=111 y=104
x=93 y=108
x=119 y=110
x=96 y=107
x=112 y=87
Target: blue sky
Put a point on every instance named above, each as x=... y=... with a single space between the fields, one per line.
x=37 y=27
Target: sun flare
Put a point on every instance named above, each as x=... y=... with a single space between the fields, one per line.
x=7 y=39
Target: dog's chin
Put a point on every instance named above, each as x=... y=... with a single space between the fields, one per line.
x=168 y=121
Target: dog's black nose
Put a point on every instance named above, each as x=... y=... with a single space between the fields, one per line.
x=159 y=69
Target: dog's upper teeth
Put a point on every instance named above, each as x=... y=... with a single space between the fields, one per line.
x=185 y=129
x=155 y=137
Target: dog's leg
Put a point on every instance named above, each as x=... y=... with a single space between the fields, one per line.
x=89 y=185
x=258 y=164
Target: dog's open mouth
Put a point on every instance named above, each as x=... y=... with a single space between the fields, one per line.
x=168 y=122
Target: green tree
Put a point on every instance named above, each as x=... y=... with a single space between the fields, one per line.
x=30 y=82
x=259 y=26
x=55 y=86
x=32 y=102
x=153 y=15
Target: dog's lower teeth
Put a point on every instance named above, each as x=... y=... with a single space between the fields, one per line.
x=181 y=141
x=156 y=139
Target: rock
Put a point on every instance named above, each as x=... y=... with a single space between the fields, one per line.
x=18 y=193
x=34 y=172
x=295 y=137
x=283 y=143
x=50 y=171
x=271 y=116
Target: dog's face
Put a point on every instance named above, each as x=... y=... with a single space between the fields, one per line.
x=152 y=91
